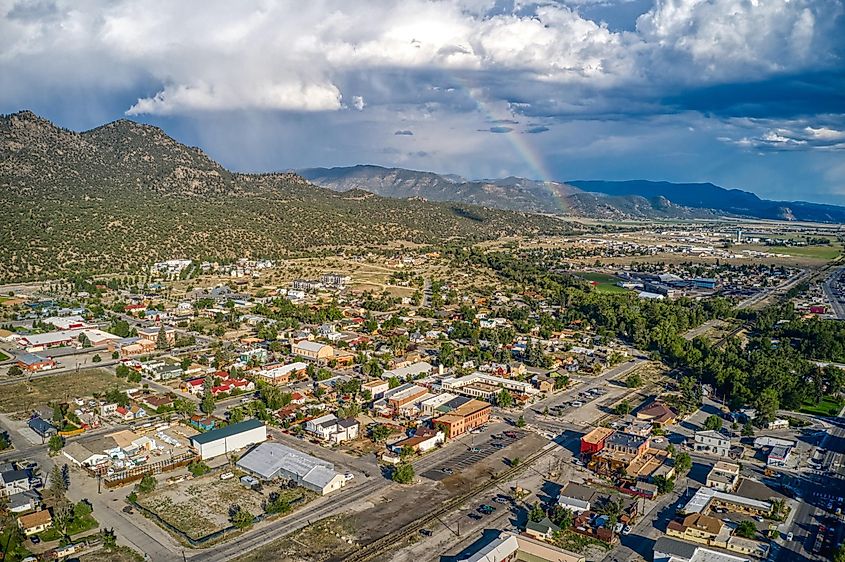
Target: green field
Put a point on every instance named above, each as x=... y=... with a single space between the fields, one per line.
x=829 y=406
x=3 y=356
x=604 y=283
x=816 y=252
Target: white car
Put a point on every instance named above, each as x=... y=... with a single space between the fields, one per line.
x=658 y=440
x=790 y=536
x=349 y=476
x=227 y=475
x=626 y=530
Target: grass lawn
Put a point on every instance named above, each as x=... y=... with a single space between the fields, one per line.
x=828 y=406
x=24 y=396
x=76 y=527
x=3 y=356
x=604 y=283
x=15 y=549
x=815 y=252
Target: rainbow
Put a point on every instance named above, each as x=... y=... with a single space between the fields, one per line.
x=523 y=148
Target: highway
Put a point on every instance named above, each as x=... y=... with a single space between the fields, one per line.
x=837 y=304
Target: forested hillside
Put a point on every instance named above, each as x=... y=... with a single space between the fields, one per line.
x=124 y=195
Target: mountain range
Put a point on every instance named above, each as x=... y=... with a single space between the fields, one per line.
x=596 y=199
x=124 y=195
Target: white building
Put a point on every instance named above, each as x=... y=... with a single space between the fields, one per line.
x=330 y=428
x=410 y=372
x=271 y=461
x=229 y=439
x=712 y=442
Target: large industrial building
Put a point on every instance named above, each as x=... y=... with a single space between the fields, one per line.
x=271 y=461
x=229 y=439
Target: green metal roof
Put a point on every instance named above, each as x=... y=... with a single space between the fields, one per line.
x=227 y=431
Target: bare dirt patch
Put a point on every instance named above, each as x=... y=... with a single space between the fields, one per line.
x=323 y=541
x=24 y=396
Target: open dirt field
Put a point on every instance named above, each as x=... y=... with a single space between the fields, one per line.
x=200 y=506
x=24 y=396
x=323 y=541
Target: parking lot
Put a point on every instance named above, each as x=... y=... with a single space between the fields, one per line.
x=473 y=454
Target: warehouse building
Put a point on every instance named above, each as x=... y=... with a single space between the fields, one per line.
x=229 y=439
x=272 y=461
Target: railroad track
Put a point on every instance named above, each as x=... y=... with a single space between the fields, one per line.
x=394 y=539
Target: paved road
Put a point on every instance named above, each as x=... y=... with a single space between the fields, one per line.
x=837 y=304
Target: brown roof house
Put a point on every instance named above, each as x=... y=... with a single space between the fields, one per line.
x=34 y=523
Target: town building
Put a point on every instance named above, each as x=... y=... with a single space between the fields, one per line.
x=667 y=549
x=593 y=441
x=313 y=351
x=511 y=547
x=279 y=374
x=723 y=477
x=658 y=414
x=712 y=442
x=485 y=386
x=274 y=461
x=707 y=498
x=229 y=439
x=464 y=418
x=377 y=388
x=409 y=372
x=32 y=363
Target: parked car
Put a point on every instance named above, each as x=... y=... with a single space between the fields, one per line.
x=626 y=530
x=426 y=532
x=474 y=450
x=349 y=476
x=34 y=539
x=500 y=499
x=789 y=536
x=497 y=446
x=447 y=470
x=474 y=516
x=227 y=475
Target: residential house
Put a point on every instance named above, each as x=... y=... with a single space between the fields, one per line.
x=34 y=523
x=131 y=412
x=423 y=440
x=577 y=497
x=543 y=530
x=14 y=482
x=330 y=428
x=42 y=427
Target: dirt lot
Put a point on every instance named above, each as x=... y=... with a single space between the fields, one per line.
x=324 y=541
x=24 y=396
x=200 y=506
x=118 y=554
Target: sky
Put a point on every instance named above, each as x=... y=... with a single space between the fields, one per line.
x=747 y=94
